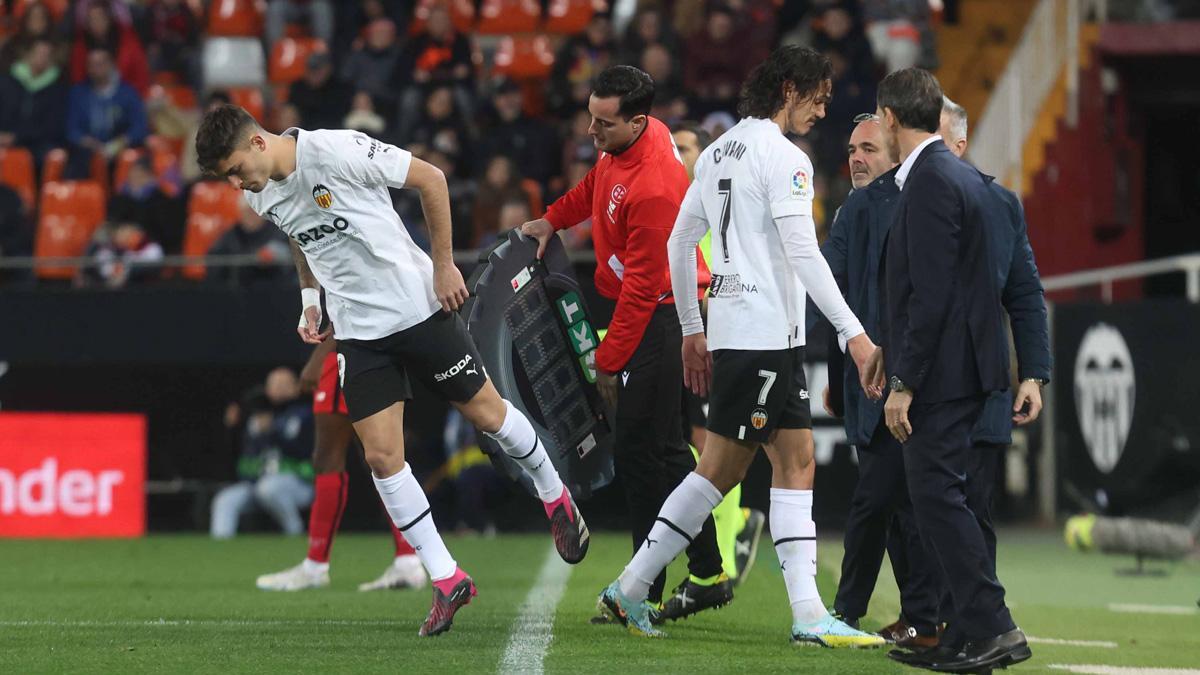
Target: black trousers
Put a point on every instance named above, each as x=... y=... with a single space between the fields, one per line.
x=937 y=460
x=650 y=454
x=881 y=515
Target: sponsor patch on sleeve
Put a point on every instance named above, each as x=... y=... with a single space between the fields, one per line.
x=800 y=183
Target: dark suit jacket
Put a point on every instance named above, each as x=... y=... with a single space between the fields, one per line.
x=942 y=325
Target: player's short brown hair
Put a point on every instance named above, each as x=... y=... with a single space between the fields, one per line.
x=222 y=131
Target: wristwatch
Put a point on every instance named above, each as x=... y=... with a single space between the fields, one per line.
x=896 y=384
x=1039 y=381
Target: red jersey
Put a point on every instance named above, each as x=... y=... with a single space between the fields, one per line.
x=633 y=199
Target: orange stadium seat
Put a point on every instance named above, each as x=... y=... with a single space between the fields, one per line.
x=250 y=98
x=53 y=166
x=236 y=18
x=504 y=17
x=462 y=15
x=524 y=57
x=212 y=209
x=16 y=171
x=70 y=213
x=181 y=96
x=289 y=58
x=567 y=17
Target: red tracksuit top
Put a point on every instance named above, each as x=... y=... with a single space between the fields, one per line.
x=633 y=199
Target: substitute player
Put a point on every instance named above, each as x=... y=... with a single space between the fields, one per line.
x=332 y=439
x=753 y=188
x=393 y=309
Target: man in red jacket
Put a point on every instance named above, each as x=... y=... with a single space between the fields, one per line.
x=632 y=195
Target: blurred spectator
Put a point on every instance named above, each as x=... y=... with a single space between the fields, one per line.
x=501 y=183
x=142 y=201
x=321 y=99
x=286 y=117
x=579 y=145
x=712 y=74
x=189 y=166
x=853 y=94
x=104 y=115
x=374 y=64
x=757 y=26
x=274 y=471
x=669 y=100
x=513 y=213
x=362 y=116
x=101 y=29
x=579 y=60
x=33 y=102
x=355 y=15
x=252 y=235
x=649 y=27
x=462 y=195
x=838 y=32
x=36 y=23
x=577 y=238
x=531 y=144
x=467 y=478
x=318 y=14
x=894 y=29
x=174 y=34
x=114 y=252
x=441 y=127
x=16 y=234
x=439 y=54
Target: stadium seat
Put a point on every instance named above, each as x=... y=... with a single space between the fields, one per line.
x=212 y=209
x=236 y=18
x=53 y=166
x=289 y=58
x=250 y=98
x=70 y=213
x=16 y=171
x=462 y=15
x=533 y=191
x=505 y=17
x=234 y=62
x=568 y=17
x=180 y=95
x=524 y=57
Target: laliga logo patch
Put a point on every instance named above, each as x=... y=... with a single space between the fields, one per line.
x=322 y=196
x=799 y=182
x=758 y=418
x=1104 y=394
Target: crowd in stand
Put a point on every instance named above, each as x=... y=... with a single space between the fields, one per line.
x=96 y=77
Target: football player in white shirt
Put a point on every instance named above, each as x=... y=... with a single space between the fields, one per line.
x=392 y=309
x=753 y=188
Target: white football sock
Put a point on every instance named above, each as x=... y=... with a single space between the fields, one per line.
x=678 y=522
x=518 y=440
x=795 y=536
x=406 y=504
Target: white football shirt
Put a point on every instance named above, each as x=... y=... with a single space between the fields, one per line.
x=337 y=209
x=754 y=190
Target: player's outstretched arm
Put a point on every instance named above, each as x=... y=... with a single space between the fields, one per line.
x=448 y=282
x=310 y=297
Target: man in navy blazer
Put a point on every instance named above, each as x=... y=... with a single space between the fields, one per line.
x=943 y=353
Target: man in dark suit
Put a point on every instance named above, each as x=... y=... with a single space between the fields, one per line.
x=943 y=353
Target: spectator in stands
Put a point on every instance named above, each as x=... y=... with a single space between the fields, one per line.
x=462 y=197
x=104 y=115
x=757 y=26
x=142 y=201
x=530 y=144
x=274 y=471
x=712 y=72
x=579 y=145
x=578 y=238
x=286 y=117
x=252 y=235
x=36 y=24
x=114 y=252
x=322 y=99
x=174 y=34
x=670 y=103
x=579 y=60
x=838 y=32
x=894 y=29
x=355 y=15
x=16 y=233
x=374 y=65
x=363 y=117
x=189 y=166
x=317 y=13
x=439 y=54
x=441 y=127
x=101 y=29
x=501 y=184
x=33 y=102
x=649 y=27
x=514 y=212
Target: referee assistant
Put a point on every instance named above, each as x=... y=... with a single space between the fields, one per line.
x=632 y=195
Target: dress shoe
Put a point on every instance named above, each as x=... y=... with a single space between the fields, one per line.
x=1001 y=651
x=924 y=658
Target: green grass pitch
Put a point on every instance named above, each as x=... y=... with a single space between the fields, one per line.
x=187 y=604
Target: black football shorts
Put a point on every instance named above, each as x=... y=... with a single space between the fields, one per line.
x=754 y=393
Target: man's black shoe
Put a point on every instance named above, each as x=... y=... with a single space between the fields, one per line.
x=1001 y=651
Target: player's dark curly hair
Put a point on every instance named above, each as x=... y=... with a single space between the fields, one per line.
x=763 y=93
x=634 y=86
x=222 y=131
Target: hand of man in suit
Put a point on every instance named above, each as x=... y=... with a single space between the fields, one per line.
x=1029 y=392
x=863 y=351
x=873 y=377
x=895 y=414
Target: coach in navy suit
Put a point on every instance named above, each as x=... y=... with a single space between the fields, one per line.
x=943 y=353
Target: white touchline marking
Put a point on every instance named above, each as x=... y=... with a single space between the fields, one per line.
x=1091 y=669
x=533 y=630
x=1105 y=644
x=1152 y=609
x=84 y=623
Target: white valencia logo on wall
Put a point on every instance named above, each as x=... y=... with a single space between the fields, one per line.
x=1104 y=394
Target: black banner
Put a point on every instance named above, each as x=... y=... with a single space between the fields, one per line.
x=1126 y=395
